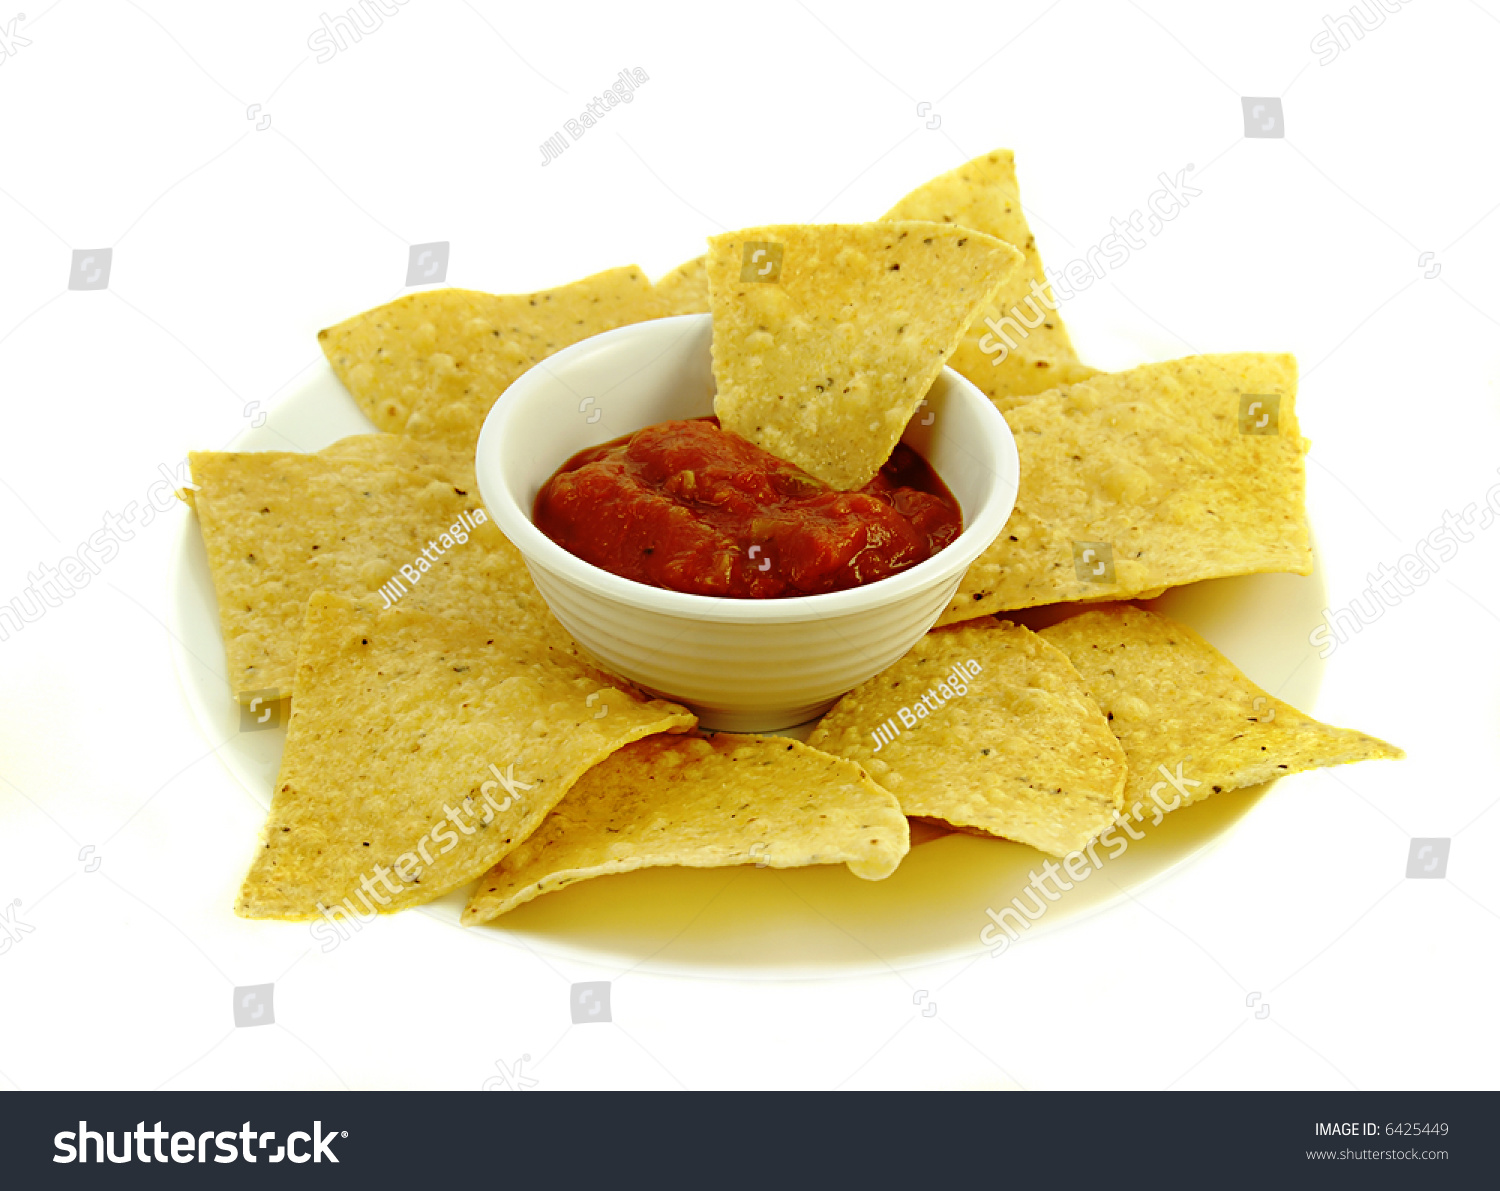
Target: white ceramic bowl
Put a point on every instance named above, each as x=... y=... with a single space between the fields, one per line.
x=742 y=665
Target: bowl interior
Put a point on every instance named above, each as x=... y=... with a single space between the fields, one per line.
x=636 y=376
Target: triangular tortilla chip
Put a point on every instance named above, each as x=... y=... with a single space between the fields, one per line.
x=419 y=752
x=1137 y=481
x=985 y=726
x=703 y=802
x=1031 y=351
x=685 y=289
x=430 y=364
x=278 y=525
x=1183 y=711
x=825 y=342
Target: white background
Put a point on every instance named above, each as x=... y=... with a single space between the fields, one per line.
x=128 y=126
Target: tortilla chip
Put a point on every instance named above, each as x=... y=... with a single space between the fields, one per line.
x=1030 y=352
x=278 y=525
x=1183 y=711
x=406 y=727
x=826 y=338
x=1141 y=480
x=1019 y=377
x=1016 y=749
x=703 y=802
x=981 y=194
x=430 y=364
x=685 y=289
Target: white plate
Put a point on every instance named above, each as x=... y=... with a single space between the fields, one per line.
x=764 y=923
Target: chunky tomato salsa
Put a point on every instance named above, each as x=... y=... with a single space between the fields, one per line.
x=693 y=508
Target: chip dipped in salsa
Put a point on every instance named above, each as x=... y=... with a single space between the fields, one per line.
x=693 y=508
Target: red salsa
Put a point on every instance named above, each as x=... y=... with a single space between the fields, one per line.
x=693 y=508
